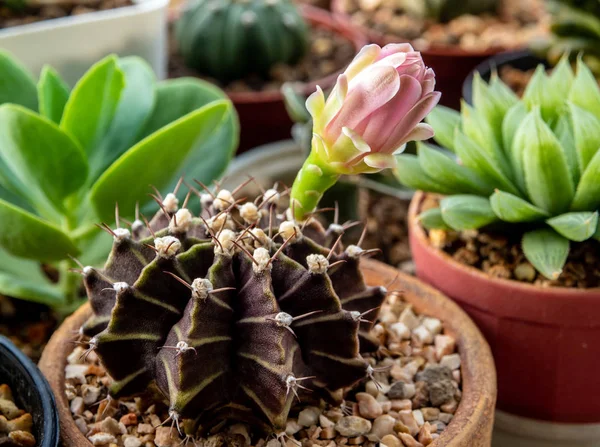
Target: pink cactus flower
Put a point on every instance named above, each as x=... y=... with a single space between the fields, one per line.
x=375 y=108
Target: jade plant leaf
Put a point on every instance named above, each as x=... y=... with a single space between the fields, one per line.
x=17 y=86
x=467 y=212
x=39 y=156
x=511 y=208
x=575 y=226
x=25 y=235
x=93 y=102
x=445 y=121
x=546 y=250
x=432 y=219
x=409 y=171
x=586 y=130
x=127 y=179
x=587 y=195
x=53 y=94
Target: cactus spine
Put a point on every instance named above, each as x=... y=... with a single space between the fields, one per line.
x=233 y=314
x=230 y=39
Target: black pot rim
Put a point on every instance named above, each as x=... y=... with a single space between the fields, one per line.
x=41 y=400
x=523 y=59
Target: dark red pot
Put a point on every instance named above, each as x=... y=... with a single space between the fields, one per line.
x=451 y=65
x=263 y=116
x=545 y=341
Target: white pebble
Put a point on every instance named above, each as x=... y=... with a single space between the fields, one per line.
x=77 y=406
x=309 y=416
x=418 y=414
x=452 y=361
x=444 y=345
x=292 y=427
x=102 y=439
x=409 y=318
x=400 y=330
x=132 y=441
x=423 y=335
x=325 y=422
x=433 y=325
x=383 y=425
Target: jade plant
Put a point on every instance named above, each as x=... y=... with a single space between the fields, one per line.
x=235 y=313
x=231 y=39
x=446 y=10
x=67 y=156
x=525 y=166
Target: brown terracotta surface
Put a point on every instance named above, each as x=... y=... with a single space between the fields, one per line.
x=472 y=422
x=546 y=341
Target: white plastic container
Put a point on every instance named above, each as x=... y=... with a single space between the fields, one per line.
x=72 y=44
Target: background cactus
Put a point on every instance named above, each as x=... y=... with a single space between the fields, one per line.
x=446 y=10
x=528 y=166
x=227 y=319
x=230 y=39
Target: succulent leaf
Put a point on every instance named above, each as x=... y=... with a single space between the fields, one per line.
x=586 y=130
x=585 y=92
x=467 y=212
x=17 y=86
x=432 y=219
x=493 y=100
x=409 y=171
x=511 y=208
x=445 y=120
x=587 y=195
x=538 y=94
x=564 y=132
x=546 y=250
x=53 y=94
x=510 y=125
x=575 y=226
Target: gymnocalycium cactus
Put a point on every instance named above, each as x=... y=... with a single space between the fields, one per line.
x=446 y=10
x=230 y=39
x=232 y=314
x=529 y=166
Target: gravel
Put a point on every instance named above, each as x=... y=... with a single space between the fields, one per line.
x=15 y=424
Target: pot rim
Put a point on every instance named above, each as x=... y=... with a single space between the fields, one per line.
x=49 y=430
x=139 y=7
x=419 y=233
x=473 y=417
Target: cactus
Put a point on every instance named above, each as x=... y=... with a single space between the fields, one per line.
x=526 y=166
x=446 y=10
x=230 y=39
x=233 y=314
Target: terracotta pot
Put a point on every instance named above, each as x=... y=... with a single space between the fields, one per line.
x=546 y=341
x=471 y=425
x=451 y=65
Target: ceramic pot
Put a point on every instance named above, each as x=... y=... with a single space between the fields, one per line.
x=471 y=425
x=546 y=341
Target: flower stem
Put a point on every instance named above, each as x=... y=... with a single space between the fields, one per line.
x=310 y=184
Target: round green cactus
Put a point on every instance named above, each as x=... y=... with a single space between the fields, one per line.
x=230 y=39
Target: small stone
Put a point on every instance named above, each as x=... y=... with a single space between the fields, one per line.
x=408 y=419
x=409 y=318
x=401 y=404
x=451 y=361
x=81 y=425
x=145 y=429
x=292 y=427
x=430 y=413
x=325 y=422
x=525 y=272
x=401 y=390
x=424 y=435
x=368 y=406
x=129 y=419
x=352 y=426
x=445 y=417
x=241 y=430
x=90 y=394
x=102 y=439
x=167 y=437
x=449 y=407
x=132 y=441
x=309 y=416
x=391 y=441
x=383 y=425
x=456 y=375
x=434 y=373
x=433 y=325
x=21 y=438
x=328 y=433
x=400 y=330
x=418 y=415
x=357 y=440
x=334 y=415
x=372 y=388
x=421 y=397
x=409 y=441
x=77 y=406
x=423 y=335
x=441 y=392
x=444 y=345
x=110 y=425
x=273 y=443
x=76 y=373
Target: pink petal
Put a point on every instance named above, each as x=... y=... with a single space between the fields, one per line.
x=392 y=48
x=428 y=82
x=376 y=89
x=335 y=100
x=365 y=57
x=380 y=161
x=422 y=132
x=360 y=144
x=410 y=121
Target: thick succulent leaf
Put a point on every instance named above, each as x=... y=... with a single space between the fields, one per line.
x=210 y=157
x=585 y=92
x=561 y=79
x=546 y=250
x=53 y=94
x=40 y=157
x=410 y=173
x=134 y=108
x=472 y=156
x=467 y=212
x=444 y=121
x=17 y=86
x=575 y=226
x=539 y=93
x=547 y=177
x=493 y=101
x=432 y=220
x=127 y=179
x=511 y=208
x=511 y=123
x=564 y=132
x=25 y=235
x=93 y=102
x=447 y=171
x=587 y=195
x=586 y=130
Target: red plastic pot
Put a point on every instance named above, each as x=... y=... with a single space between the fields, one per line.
x=451 y=65
x=545 y=341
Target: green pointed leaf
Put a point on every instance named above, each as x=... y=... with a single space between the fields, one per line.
x=410 y=173
x=539 y=93
x=17 y=86
x=148 y=163
x=575 y=226
x=25 y=235
x=546 y=250
x=586 y=130
x=38 y=158
x=444 y=121
x=472 y=156
x=585 y=92
x=134 y=108
x=447 y=171
x=564 y=132
x=93 y=102
x=53 y=94
x=30 y=291
x=587 y=195
x=432 y=220
x=493 y=101
x=511 y=208
x=547 y=176
x=561 y=79
x=295 y=103
x=466 y=212
x=511 y=123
